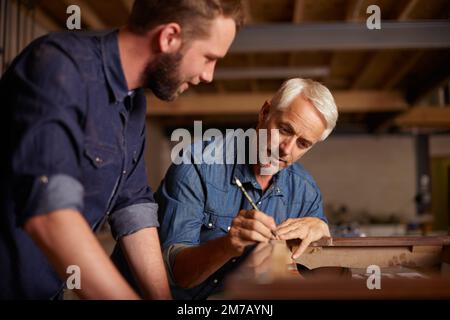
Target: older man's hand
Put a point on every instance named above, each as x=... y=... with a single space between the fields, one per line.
x=308 y=229
x=250 y=227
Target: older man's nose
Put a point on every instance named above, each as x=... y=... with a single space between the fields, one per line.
x=287 y=145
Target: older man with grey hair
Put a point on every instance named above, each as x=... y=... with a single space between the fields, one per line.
x=207 y=222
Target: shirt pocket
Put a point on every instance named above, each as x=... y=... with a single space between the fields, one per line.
x=101 y=168
x=100 y=156
x=218 y=223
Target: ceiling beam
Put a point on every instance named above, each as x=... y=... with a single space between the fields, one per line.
x=297 y=17
x=270 y=73
x=406 y=12
x=241 y=103
x=248 y=18
x=342 y=36
x=299 y=11
x=376 y=58
x=128 y=4
x=422 y=117
x=354 y=10
x=403 y=70
x=420 y=89
x=45 y=21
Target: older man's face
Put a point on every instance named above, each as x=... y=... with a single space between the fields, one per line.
x=299 y=126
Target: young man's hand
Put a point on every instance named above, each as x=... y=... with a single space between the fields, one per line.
x=308 y=229
x=250 y=227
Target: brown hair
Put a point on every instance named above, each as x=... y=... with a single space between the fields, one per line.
x=194 y=16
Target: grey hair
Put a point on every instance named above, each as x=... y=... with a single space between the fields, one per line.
x=317 y=93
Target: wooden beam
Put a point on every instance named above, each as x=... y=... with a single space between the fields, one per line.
x=248 y=18
x=406 y=12
x=374 y=62
x=425 y=118
x=403 y=70
x=297 y=17
x=271 y=72
x=299 y=11
x=354 y=10
x=45 y=21
x=241 y=103
x=128 y=4
x=429 y=82
x=266 y=38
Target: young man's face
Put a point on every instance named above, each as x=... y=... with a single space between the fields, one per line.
x=299 y=127
x=171 y=74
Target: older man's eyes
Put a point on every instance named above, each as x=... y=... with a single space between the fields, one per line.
x=285 y=130
x=302 y=144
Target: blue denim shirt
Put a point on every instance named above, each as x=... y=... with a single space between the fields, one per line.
x=73 y=137
x=197 y=203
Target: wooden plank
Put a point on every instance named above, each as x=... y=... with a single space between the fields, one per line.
x=299 y=11
x=354 y=10
x=364 y=256
x=337 y=289
x=382 y=241
x=251 y=103
x=402 y=70
x=128 y=4
x=425 y=117
x=285 y=37
x=381 y=251
x=278 y=280
x=45 y=21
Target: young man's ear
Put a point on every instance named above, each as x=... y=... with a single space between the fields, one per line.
x=170 y=38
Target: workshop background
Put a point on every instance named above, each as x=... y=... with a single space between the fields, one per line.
x=386 y=168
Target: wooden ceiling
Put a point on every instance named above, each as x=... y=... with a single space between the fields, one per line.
x=410 y=72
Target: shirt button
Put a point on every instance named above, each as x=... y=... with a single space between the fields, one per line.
x=124 y=172
x=215 y=281
x=98 y=160
x=229 y=228
x=210 y=225
x=43 y=179
x=233 y=260
x=259 y=202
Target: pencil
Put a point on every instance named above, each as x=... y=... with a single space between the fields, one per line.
x=239 y=184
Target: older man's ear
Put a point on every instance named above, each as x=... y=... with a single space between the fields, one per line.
x=264 y=112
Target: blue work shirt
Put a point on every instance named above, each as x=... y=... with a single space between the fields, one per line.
x=73 y=137
x=197 y=203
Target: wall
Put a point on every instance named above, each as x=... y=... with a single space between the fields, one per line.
x=371 y=175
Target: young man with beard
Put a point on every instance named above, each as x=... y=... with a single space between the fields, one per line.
x=74 y=128
x=207 y=223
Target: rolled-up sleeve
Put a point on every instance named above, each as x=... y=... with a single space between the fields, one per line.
x=56 y=192
x=133 y=218
x=46 y=134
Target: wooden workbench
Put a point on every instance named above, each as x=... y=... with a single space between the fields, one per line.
x=411 y=268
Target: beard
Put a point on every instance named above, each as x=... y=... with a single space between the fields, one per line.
x=162 y=76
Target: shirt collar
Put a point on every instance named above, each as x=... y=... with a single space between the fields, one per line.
x=112 y=65
x=245 y=174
